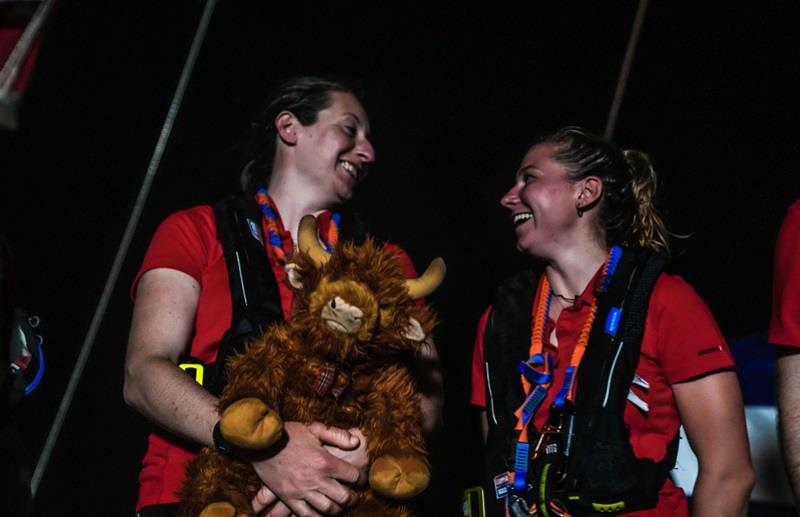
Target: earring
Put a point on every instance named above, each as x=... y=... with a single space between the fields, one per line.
x=580 y=210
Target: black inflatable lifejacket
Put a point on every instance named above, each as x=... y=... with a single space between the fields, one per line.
x=600 y=474
x=255 y=298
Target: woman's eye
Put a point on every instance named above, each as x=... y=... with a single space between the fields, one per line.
x=351 y=130
x=527 y=178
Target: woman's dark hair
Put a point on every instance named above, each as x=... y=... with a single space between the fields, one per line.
x=305 y=97
x=627 y=210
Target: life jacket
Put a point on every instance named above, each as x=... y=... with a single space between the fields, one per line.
x=597 y=474
x=255 y=298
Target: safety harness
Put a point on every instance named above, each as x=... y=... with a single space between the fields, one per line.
x=255 y=297
x=581 y=462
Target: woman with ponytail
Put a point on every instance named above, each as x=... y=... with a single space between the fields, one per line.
x=587 y=364
x=311 y=147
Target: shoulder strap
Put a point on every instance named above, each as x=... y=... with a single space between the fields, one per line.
x=603 y=457
x=633 y=329
x=255 y=298
x=506 y=342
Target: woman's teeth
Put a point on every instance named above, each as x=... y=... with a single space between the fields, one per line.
x=521 y=218
x=350 y=168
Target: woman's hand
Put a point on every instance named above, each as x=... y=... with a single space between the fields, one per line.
x=305 y=476
x=358 y=456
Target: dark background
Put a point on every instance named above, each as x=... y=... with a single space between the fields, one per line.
x=455 y=96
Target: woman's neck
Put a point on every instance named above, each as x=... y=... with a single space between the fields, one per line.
x=573 y=270
x=293 y=201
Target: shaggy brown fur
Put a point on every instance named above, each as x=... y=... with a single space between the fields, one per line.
x=280 y=369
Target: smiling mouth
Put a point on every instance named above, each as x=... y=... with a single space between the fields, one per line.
x=521 y=218
x=352 y=169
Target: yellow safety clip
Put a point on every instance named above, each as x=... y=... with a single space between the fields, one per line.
x=474 y=503
x=198 y=371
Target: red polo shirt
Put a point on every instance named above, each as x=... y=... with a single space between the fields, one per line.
x=681 y=342
x=784 y=326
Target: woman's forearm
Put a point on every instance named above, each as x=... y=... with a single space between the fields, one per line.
x=723 y=494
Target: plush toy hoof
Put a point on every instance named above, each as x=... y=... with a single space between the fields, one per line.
x=248 y=423
x=219 y=509
x=399 y=477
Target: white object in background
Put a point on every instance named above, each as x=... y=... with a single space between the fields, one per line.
x=771 y=484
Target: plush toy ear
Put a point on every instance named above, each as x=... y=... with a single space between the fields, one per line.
x=414 y=331
x=294 y=275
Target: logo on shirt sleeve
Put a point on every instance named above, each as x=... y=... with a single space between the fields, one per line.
x=711 y=350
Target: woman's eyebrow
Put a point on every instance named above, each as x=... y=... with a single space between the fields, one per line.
x=359 y=121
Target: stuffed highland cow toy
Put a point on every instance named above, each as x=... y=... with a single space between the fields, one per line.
x=341 y=360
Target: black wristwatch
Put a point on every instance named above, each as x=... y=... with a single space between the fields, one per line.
x=222 y=445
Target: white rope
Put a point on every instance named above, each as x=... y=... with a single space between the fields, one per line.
x=626 y=69
x=133 y=221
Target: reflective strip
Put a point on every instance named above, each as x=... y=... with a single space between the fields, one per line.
x=639 y=381
x=611 y=372
x=241 y=280
x=491 y=395
x=638 y=402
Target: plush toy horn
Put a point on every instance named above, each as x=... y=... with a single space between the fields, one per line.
x=308 y=242
x=428 y=282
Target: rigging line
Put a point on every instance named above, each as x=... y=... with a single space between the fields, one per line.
x=626 y=69
x=133 y=221
x=8 y=73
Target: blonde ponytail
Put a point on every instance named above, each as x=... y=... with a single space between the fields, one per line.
x=627 y=213
x=647 y=228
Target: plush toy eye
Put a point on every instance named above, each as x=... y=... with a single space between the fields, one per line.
x=333 y=303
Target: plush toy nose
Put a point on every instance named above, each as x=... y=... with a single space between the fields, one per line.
x=340 y=315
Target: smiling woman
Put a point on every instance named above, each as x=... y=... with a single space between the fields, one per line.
x=310 y=148
x=330 y=155
x=587 y=364
x=541 y=202
x=301 y=104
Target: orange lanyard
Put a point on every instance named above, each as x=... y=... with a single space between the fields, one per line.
x=538 y=367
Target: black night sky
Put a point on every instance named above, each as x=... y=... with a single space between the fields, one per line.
x=455 y=96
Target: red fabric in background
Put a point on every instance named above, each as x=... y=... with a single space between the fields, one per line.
x=12 y=24
x=784 y=327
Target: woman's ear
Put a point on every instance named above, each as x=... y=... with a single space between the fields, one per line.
x=591 y=189
x=286 y=127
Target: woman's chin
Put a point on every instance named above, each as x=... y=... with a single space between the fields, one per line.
x=526 y=247
x=532 y=249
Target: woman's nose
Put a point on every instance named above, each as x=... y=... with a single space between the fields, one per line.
x=510 y=198
x=365 y=151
